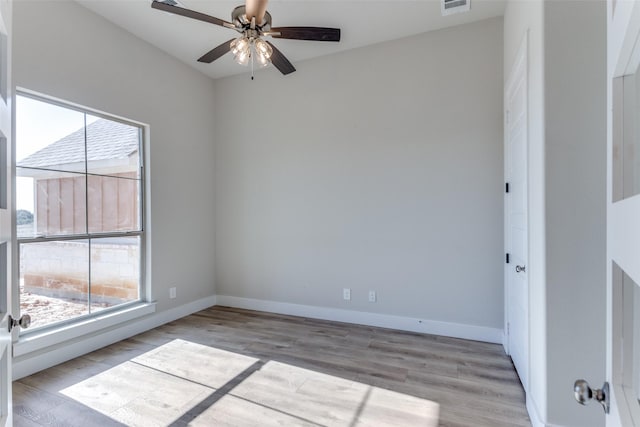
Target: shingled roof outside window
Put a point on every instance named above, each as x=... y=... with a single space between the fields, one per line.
x=106 y=140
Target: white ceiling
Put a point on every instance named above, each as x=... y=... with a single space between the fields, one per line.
x=362 y=22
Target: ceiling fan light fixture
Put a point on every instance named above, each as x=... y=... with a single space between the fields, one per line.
x=241 y=44
x=241 y=49
x=263 y=60
x=263 y=52
x=244 y=48
x=242 y=58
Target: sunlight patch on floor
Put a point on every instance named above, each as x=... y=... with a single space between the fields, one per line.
x=185 y=383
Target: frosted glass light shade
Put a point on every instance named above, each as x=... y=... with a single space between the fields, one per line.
x=240 y=44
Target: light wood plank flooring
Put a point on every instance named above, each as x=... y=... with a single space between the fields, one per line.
x=231 y=367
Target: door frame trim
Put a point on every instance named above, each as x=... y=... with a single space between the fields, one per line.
x=623 y=50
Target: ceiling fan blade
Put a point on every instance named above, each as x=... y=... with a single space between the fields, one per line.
x=280 y=61
x=306 y=33
x=190 y=14
x=216 y=52
x=256 y=8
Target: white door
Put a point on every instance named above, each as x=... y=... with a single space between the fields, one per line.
x=516 y=224
x=7 y=235
x=623 y=214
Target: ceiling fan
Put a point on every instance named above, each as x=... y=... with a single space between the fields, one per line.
x=253 y=22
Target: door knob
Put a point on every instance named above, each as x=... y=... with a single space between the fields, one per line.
x=584 y=394
x=24 y=322
x=520 y=268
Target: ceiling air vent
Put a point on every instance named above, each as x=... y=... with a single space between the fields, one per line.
x=454 y=6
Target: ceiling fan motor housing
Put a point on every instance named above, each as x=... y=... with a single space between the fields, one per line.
x=239 y=18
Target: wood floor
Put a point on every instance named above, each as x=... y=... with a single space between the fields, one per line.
x=231 y=367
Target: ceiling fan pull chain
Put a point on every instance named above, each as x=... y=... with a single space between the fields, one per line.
x=251 y=54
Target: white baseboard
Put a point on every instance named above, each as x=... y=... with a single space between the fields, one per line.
x=457 y=330
x=33 y=362
x=533 y=413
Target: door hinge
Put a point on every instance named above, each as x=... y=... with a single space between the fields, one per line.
x=507 y=258
x=506 y=187
x=508 y=328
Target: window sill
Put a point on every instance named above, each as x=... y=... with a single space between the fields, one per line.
x=39 y=340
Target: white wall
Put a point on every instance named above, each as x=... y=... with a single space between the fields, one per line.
x=379 y=168
x=575 y=140
x=63 y=50
x=567 y=165
x=522 y=17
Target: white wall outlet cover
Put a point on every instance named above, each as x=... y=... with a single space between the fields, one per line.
x=346 y=294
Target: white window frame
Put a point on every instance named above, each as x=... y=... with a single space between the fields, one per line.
x=56 y=333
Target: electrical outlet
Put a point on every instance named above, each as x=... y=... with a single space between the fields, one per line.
x=346 y=294
x=172 y=293
x=372 y=296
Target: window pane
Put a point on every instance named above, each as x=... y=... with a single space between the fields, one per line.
x=631 y=156
x=115 y=271
x=113 y=204
x=626 y=292
x=54 y=280
x=51 y=203
x=626 y=137
x=4 y=175
x=4 y=51
x=49 y=136
x=112 y=148
x=4 y=255
x=78 y=176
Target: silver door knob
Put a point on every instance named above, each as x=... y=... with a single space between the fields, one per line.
x=24 y=322
x=584 y=394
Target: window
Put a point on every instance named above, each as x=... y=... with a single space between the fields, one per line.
x=79 y=207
